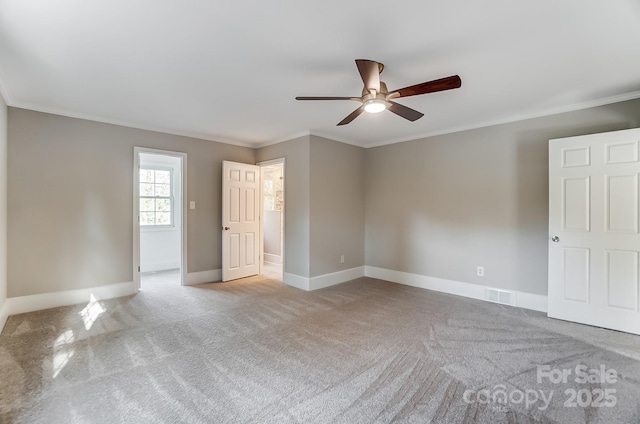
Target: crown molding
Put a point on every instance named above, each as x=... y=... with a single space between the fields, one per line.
x=338 y=139
x=515 y=118
x=127 y=124
x=319 y=133
x=282 y=139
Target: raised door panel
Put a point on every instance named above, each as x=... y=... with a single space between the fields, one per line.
x=234 y=251
x=621 y=207
x=622 y=279
x=576 y=274
x=626 y=152
x=250 y=202
x=234 y=205
x=575 y=157
x=576 y=204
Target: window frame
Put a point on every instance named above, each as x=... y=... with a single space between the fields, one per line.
x=171 y=197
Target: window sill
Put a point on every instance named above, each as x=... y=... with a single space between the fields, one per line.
x=156 y=229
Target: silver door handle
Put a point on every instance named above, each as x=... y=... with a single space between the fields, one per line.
x=555 y=239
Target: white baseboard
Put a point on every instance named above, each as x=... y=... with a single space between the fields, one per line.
x=322 y=281
x=536 y=302
x=334 y=278
x=4 y=314
x=296 y=281
x=37 y=302
x=203 y=277
x=274 y=259
x=475 y=291
x=159 y=266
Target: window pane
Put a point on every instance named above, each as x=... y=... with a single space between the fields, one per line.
x=146 y=175
x=147 y=218
x=155 y=197
x=163 y=218
x=163 y=190
x=268 y=203
x=146 y=189
x=147 y=205
x=163 y=177
x=268 y=187
x=163 y=205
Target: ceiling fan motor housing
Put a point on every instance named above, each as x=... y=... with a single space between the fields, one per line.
x=376 y=97
x=383 y=90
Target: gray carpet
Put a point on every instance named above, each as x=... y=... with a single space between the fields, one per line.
x=257 y=351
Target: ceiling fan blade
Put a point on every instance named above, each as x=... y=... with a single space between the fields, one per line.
x=442 y=84
x=405 y=112
x=370 y=73
x=328 y=98
x=352 y=116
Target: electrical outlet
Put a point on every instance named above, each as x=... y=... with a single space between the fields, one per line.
x=192 y=204
x=341 y=259
x=480 y=271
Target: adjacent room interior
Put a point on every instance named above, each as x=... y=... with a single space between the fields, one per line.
x=187 y=235
x=160 y=220
x=272 y=219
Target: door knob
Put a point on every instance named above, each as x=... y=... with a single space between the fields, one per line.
x=555 y=239
x=226 y=228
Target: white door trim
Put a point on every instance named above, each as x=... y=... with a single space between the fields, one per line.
x=136 y=211
x=284 y=217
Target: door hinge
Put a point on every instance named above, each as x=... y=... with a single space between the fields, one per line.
x=138 y=268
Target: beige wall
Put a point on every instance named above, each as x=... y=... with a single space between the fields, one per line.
x=296 y=201
x=443 y=205
x=70 y=200
x=337 y=206
x=3 y=204
x=324 y=204
x=438 y=207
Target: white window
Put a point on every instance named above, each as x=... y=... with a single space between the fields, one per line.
x=272 y=192
x=269 y=195
x=156 y=197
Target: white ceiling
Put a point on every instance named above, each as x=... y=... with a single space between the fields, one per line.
x=229 y=71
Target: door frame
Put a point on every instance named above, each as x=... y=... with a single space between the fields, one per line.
x=284 y=194
x=136 y=210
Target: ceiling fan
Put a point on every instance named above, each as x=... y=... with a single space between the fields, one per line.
x=376 y=97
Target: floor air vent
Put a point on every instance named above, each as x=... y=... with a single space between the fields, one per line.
x=500 y=296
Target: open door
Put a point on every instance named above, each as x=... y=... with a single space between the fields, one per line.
x=594 y=240
x=240 y=220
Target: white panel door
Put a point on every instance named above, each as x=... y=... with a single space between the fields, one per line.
x=240 y=220
x=594 y=243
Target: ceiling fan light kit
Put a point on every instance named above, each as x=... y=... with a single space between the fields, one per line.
x=374 y=105
x=376 y=97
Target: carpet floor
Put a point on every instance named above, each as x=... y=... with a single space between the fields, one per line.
x=258 y=351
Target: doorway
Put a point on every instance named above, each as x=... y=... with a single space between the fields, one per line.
x=159 y=218
x=272 y=177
